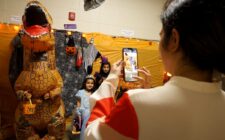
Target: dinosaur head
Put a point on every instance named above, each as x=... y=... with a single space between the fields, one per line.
x=37 y=28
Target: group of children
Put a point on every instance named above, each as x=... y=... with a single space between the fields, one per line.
x=82 y=109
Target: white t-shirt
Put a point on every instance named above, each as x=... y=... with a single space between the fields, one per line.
x=182 y=109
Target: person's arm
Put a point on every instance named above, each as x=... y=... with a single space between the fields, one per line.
x=120 y=124
x=102 y=100
x=109 y=120
x=79 y=108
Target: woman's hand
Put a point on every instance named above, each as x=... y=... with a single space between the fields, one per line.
x=145 y=82
x=117 y=67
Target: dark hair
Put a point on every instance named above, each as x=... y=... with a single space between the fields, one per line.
x=201 y=26
x=78 y=98
x=102 y=73
x=84 y=84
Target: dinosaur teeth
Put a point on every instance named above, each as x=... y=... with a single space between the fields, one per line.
x=35 y=36
x=32 y=4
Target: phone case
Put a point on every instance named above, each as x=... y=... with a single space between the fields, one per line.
x=130 y=57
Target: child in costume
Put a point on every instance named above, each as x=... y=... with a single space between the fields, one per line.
x=103 y=73
x=82 y=111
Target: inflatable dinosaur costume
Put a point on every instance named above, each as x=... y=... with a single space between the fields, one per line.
x=40 y=112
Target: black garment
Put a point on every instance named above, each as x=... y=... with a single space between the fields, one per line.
x=99 y=79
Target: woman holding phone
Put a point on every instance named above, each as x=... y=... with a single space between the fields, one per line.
x=191 y=105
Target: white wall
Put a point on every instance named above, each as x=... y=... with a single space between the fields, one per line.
x=139 y=16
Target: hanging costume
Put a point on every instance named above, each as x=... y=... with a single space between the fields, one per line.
x=90 y=54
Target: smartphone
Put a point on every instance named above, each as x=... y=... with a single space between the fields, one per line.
x=131 y=64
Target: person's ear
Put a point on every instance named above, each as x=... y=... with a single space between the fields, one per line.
x=174 y=41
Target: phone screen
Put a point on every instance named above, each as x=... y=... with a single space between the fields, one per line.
x=131 y=66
